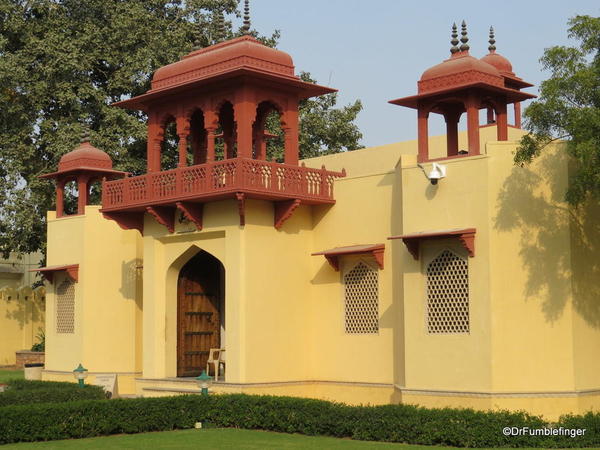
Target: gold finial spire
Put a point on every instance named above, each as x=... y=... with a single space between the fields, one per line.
x=246 y=27
x=492 y=41
x=454 y=41
x=464 y=38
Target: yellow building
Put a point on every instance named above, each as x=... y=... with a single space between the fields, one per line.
x=21 y=307
x=432 y=272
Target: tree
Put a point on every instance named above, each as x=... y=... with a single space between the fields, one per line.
x=62 y=63
x=324 y=129
x=569 y=108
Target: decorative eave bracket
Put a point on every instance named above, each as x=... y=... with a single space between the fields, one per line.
x=127 y=220
x=163 y=215
x=466 y=237
x=72 y=271
x=374 y=250
x=193 y=212
x=282 y=211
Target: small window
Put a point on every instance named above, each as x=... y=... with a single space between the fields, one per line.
x=65 y=307
x=361 y=300
x=448 y=294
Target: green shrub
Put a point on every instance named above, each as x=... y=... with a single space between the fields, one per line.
x=24 y=392
x=389 y=423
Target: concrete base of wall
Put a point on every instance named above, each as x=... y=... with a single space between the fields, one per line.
x=349 y=393
x=125 y=380
x=550 y=405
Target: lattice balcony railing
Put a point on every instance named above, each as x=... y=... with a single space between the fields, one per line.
x=220 y=177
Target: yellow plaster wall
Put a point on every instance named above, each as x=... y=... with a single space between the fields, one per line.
x=21 y=311
x=446 y=361
x=585 y=260
x=531 y=293
x=164 y=255
x=21 y=321
x=65 y=246
x=277 y=294
x=361 y=215
x=108 y=299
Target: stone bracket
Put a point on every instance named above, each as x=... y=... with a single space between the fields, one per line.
x=193 y=212
x=465 y=236
x=282 y=211
x=332 y=256
x=127 y=220
x=163 y=215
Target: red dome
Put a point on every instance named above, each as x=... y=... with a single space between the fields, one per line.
x=244 y=51
x=499 y=62
x=456 y=70
x=86 y=156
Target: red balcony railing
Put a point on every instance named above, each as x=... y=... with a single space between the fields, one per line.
x=261 y=179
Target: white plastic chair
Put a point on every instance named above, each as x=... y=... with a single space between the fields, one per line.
x=216 y=357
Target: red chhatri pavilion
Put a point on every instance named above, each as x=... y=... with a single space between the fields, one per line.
x=84 y=165
x=232 y=86
x=462 y=84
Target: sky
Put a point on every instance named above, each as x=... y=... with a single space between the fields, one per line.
x=376 y=50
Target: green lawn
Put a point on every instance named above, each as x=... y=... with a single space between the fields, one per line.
x=6 y=375
x=227 y=438
x=215 y=438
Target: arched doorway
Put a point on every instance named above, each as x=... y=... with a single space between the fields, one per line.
x=200 y=312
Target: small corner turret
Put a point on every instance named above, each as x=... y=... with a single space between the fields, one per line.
x=465 y=84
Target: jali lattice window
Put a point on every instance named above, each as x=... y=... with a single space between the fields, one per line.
x=361 y=300
x=65 y=307
x=448 y=294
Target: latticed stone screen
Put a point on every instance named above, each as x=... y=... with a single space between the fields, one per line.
x=65 y=307
x=361 y=300
x=448 y=294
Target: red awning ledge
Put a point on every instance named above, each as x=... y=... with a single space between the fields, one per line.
x=71 y=270
x=374 y=250
x=466 y=236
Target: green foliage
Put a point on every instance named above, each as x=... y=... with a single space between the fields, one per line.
x=40 y=345
x=63 y=62
x=324 y=129
x=26 y=392
x=9 y=375
x=389 y=423
x=569 y=108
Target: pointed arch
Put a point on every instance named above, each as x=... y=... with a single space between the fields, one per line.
x=196 y=304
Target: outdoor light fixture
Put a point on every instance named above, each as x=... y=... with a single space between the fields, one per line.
x=80 y=374
x=203 y=381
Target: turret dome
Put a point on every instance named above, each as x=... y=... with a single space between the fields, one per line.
x=85 y=156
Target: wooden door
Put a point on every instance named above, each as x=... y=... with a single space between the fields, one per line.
x=198 y=313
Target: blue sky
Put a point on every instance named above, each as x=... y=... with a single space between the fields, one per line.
x=376 y=50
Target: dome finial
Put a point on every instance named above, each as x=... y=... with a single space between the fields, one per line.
x=454 y=41
x=492 y=41
x=464 y=38
x=85 y=135
x=246 y=27
x=220 y=27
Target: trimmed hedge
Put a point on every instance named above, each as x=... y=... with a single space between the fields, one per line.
x=25 y=392
x=389 y=423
